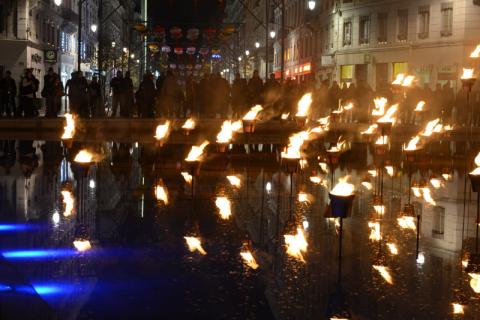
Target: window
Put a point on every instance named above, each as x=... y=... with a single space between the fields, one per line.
x=364 y=30
x=447 y=19
x=347 y=32
x=402 y=25
x=438 y=228
x=382 y=27
x=423 y=22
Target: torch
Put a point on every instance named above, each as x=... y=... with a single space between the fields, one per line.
x=189 y=126
x=249 y=119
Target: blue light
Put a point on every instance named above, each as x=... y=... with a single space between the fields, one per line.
x=4 y=287
x=15 y=227
x=48 y=289
x=39 y=254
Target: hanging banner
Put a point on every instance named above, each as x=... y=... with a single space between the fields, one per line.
x=192 y=34
x=191 y=50
x=178 y=50
x=166 y=49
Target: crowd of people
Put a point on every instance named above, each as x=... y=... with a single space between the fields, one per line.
x=213 y=96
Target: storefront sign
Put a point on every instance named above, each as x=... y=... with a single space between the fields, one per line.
x=50 y=56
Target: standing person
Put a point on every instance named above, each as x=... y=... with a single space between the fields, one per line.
x=239 y=95
x=171 y=94
x=55 y=95
x=219 y=96
x=271 y=93
x=27 y=94
x=255 y=89
x=191 y=96
x=126 y=103
x=203 y=95
x=48 y=93
x=96 y=101
x=9 y=92
x=72 y=97
x=82 y=84
x=116 y=85
x=146 y=96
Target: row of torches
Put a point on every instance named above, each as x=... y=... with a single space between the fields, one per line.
x=341 y=196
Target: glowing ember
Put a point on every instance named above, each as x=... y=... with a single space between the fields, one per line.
x=382 y=140
x=380 y=104
x=436 y=183
x=304 y=197
x=162 y=130
x=412 y=144
x=467 y=74
x=371 y=129
x=389 y=170
x=224 y=206
x=427 y=132
x=296 y=142
x=475 y=53
x=226 y=133
x=82 y=245
x=343 y=188
x=389 y=115
x=69 y=129
x=384 y=272
x=304 y=105
x=235 y=181
x=399 y=79
x=161 y=194
x=420 y=106
x=84 y=156
x=407 y=222
x=189 y=124
x=367 y=185
x=285 y=116
x=249 y=260
x=375 y=234
x=252 y=114
x=392 y=247
x=194 y=244
x=476 y=172
x=196 y=152
x=296 y=244
x=475 y=282
x=379 y=209
x=188 y=177
x=457 y=308
x=68 y=201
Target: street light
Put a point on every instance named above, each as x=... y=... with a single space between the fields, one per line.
x=94 y=28
x=239 y=58
x=58 y=3
x=132 y=56
x=311 y=4
x=247 y=52
x=257 y=44
x=113 y=44
x=273 y=34
x=125 y=49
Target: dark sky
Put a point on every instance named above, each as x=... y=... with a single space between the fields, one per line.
x=186 y=12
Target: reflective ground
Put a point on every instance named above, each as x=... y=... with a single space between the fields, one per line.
x=139 y=265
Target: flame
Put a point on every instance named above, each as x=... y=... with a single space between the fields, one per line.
x=323 y=166
x=373 y=173
x=249 y=260
x=379 y=209
x=338 y=147
x=436 y=183
x=285 y=116
x=408 y=81
x=69 y=129
x=380 y=104
x=187 y=176
x=465 y=263
x=384 y=272
x=371 y=129
x=196 y=152
x=448 y=127
x=296 y=244
x=420 y=106
x=399 y=79
x=226 y=133
x=367 y=185
x=407 y=222
x=252 y=114
x=475 y=282
x=304 y=197
x=304 y=105
x=393 y=248
x=189 y=124
x=417 y=192
x=162 y=130
x=457 y=308
x=161 y=193
x=84 y=156
x=235 y=181
x=427 y=132
x=324 y=121
x=447 y=176
x=427 y=196
x=390 y=170
x=348 y=106
x=343 y=188
x=296 y=142
x=375 y=234
x=389 y=115
x=195 y=244
x=69 y=202
x=303 y=163
x=382 y=140
x=338 y=111
x=475 y=53
x=82 y=245
x=412 y=144
x=467 y=74
x=319 y=181
x=476 y=172
x=225 y=207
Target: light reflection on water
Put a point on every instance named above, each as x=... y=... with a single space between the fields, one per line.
x=137 y=240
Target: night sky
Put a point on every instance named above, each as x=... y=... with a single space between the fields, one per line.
x=201 y=13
